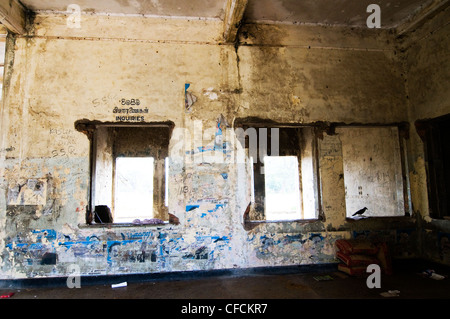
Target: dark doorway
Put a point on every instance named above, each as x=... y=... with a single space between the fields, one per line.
x=435 y=134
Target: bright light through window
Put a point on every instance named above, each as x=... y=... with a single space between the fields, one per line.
x=252 y=194
x=133 y=189
x=166 y=198
x=282 y=188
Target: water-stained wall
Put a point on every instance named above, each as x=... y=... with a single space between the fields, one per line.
x=180 y=72
x=427 y=64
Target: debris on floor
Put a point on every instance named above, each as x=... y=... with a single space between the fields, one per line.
x=430 y=273
x=122 y=284
x=323 y=278
x=390 y=293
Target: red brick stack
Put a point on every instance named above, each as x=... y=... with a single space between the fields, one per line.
x=355 y=255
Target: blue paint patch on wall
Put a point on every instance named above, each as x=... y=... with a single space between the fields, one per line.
x=224 y=148
x=113 y=249
x=316 y=237
x=288 y=239
x=112 y=244
x=216 y=208
x=137 y=235
x=48 y=234
x=267 y=242
x=191 y=207
x=223 y=238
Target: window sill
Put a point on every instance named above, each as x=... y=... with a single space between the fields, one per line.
x=303 y=221
x=356 y=219
x=121 y=225
x=445 y=218
x=438 y=221
x=251 y=224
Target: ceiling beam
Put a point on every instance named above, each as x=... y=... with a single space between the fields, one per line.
x=417 y=19
x=13 y=16
x=234 y=14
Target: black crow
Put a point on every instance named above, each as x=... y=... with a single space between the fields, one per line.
x=360 y=212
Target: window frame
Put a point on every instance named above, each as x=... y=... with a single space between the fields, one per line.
x=403 y=135
x=91 y=128
x=431 y=130
x=244 y=124
x=3 y=57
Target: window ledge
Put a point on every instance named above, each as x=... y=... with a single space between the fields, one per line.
x=120 y=225
x=357 y=219
x=305 y=221
x=439 y=221
x=443 y=218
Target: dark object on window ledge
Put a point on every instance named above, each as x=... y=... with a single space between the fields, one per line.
x=173 y=219
x=102 y=214
x=360 y=212
x=89 y=215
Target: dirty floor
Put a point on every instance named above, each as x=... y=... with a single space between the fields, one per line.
x=407 y=280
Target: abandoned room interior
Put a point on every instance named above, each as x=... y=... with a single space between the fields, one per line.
x=158 y=138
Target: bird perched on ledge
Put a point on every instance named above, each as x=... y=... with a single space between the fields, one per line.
x=360 y=212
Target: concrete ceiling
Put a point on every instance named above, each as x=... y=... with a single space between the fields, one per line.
x=325 y=12
x=332 y=12
x=177 y=8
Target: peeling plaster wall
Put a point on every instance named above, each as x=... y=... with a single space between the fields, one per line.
x=427 y=64
x=59 y=75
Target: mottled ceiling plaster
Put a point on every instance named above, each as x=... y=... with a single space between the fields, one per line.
x=323 y=12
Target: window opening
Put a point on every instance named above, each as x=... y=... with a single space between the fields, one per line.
x=129 y=170
x=133 y=192
x=284 y=178
x=373 y=173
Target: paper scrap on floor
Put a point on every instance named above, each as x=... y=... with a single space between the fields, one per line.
x=323 y=278
x=390 y=293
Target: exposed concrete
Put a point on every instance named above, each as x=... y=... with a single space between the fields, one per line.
x=343 y=13
x=167 y=8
